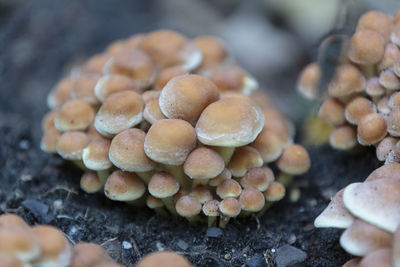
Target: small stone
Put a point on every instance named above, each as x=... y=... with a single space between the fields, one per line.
x=214 y=232
x=228 y=256
x=126 y=245
x=182 y=244
x=292 y=239
x=57 y=204
x=26 y=177
x=24 y=144
x=38 y=209
x=256 y=261
x=288 y=255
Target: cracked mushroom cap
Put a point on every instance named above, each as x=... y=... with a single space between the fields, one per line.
x=376 y=21
x=389 y=79
x=307 y=83
x=74 y=114
x=152 y=111
x=163 y=258
x=230 y=122
x=188 y=206
x=91 y=182
x=229 y=188
x=347 y=80
x=382 y=257
x=294 y=160
x=88 y=255
x=371 y=129
x=170 y=141
x=119 y=112
x=203 y=163
x=362 y=238
x=230 y=207
x=163 y=185
x=343 y=137
x=70 y=145
x=185 y=97
x=243 y=159
x=60 y=93
x=214 y=50
x=387 y=171
x=232 y=78
x=124 y=186
x=393 y=122
x=166 y=75
x=127 y=151
x=84 y=89
x=269 y=145
x=275 y=192
x=376 y=202
x=55 y=250
x=95 y=155
x=211 y=208
x=112 y=83
x=335 y=214
x=358 y=108
x=366 y=47
x=260 y=178
x=385 y=147
x=251 y=200
x=332 y=111
x=18 y=240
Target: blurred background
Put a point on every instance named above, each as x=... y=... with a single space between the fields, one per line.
x=40 y=40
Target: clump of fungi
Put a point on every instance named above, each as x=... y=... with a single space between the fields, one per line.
x=362 y=101
x=175 y=124
x=45 y=246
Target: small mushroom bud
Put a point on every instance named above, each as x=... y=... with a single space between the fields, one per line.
x=385 y=147
x=231 y=78
x=269 y=145
x=259 y=178
x=95 y=155
x=50 y=139
x=152 y=111
x=244 y=158
x=228 y=188
x=357 y=108
x=332 y=111
x=166 y=75
x=156 y=204
x=224 y=175
x=374 y=89
x=202 y=193
x=95 y=64
x=124 y=186
x=60 y=93
x=275 y=192
x=113 y=83
x=366 y=47
x=188 y=207
x=163 y=258
x=307 y=83
x=71 y=144
x=230 y=208
x=251 y=200
x=376 y=21
x=83 y=89
x=371 y=129
x=383 y=105
x=347 y=80
x=88 y=255
x=91 y=182
x=389 y=79
x=74 y=115
x=294 y=160
x=163 y=185
x=343 y=137
x=214 y=50
x=211 y=210
x=390 y=55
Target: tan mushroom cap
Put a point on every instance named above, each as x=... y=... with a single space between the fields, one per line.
x=188 y=206
x=362 y=238
x=134 y=64
x=119 y=112
x=390 y=56
x=251 y=200
x=374 y=88
x=357 y=108
x=112 y=83
x=376 y=202
x=50 y=139
x=332 y=111
x=228 y=188
x=347 y=80
x=389 y=79
x=163 y=185
x=170 y=141
x=9 y=260
x=93 y=133
x=387 y=171
x=60 y=93
x=355 y=262
x=243 y=159
x=95 y=64
x=12 y=220
x=203 y=163
x=55 y=249
x=393 y=122
x=382 y=257
x=383 y=105
x=371 y=129
x=385 y=147
x=124 y=186
x=376 y=21
x=90 y=182
x=127 y=151
x=95 y=155
x=335 y=214
x=232 y=78
x=83 y=88
x=211 y=208
x=294 y=160
x=224 y=175
x=88 y=255
x=19 y=241
x=394 y=100
x=185 y=97
x=261 y=98
x=214 y=51
x=152 y=111
x=307 y=83
x=150 y=95
x=269 y=145
x=154 y=202
x=395 y=36
x=202 y=193
x=260 y=178
x=276 y=122
x=366 y=47
x=230 y=207
x=48 y=120
x=275 y=192
x=74 y=114
x=166 y=75
x=165 y=259
x=343 y=137
x=70 y=145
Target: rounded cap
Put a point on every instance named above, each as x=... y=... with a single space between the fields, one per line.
x=275 y=192
x=307 y=83
x=88 y=255
x=374 y=88
x=391 y=171
x=232 y=78
x=170 y=141
x=12 y=220
x=124 y=186
x=224 y=175
x=371 y=129
x=211 y=208
x=394 y=100
x=277 y=123
x=228 y=188
x=357 y=108
x=347 y=80
x=19 y=241
x=259 y=178
x=188 y=206
x=390 y=56
x=154 y=202
x=389 y=79
x=294 y=160
x=332 y=111
x=150 y=95
x=50 y=139
x=230 y=207
x=230 y=122
x=376 y=21
x=185 y=97
x=343 y=137
x=60 y=93
x=269 y=145
x=112 y=83
x=95 y=64
x=165 y=259
x=74 y=114
x=385 y=147
x=152 y=111
x=119 y=111
x=84 y=88
x=202 y=193
x=381 y=257
x=366 y=47
x=127 y=151
x=251 y=200
x=203 y=163
x=95 y=155
x=70 y=145
x=48 y=120
x=91 y=183
x=243 y=159
x=9 y=260
x=163 y=185
x=383 y=105
x=214 y=51
x=166 y=75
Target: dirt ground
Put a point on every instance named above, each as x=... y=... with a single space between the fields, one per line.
x=36 y=47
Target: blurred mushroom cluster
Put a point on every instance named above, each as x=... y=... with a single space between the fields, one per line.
x=370 y=213
x=45 y=246
x=174 y=124
x=362 y=100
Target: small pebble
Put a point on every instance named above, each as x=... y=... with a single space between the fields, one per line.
x=126 y=245
x=26 y=177
x=228 y=256
x=214 y=232
x=57 y=204
x=292 y=239
x=24 y=144
x=288 y=255
x=38 y=209
x=182 y=244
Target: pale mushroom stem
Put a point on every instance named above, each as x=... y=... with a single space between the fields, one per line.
x=267 y=205
x=179 y=175
x=80 y=165
x=368 y=70
x=226 y=152
x=212 y=220
x=170 y=205
x=223 y=221
x=145 y=176
x=140 y=202
x=199 y=182
x=103 y=175
x=193 y=219
x=285 y=179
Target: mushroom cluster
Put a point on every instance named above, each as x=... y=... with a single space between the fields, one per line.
x=45 y=246
x=370 y=213
x=175 y=124
x=362 y=101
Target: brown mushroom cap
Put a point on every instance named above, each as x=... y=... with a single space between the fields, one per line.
x=294 y=160
x=276 y=122
x=357 y=108
x=166 y=75
x=170 y=141
x=251 y=200
x=127 y=151
x=203 y=163
x=385 y=147
x=71 y=144
x=332 y=111
x=394 y=100
x=152 y=111
x=211 y=208
x=50 y=139
x=112 y=83
x=347 y=80
x=188 y=206
x=232 y=78
x=229 y=122
x=259 y=178
x=90 y=182
x=19 y=241
x=343 y=137
x=228 y=188
x=12 y=220
x=224 y=175
x=307 y=83
x=371 y=129
x=74 y=115
x=60 y=93
x=383 y=105
x=88 y=255
x=95 y=64
x=382 y=257
x=390 y=56
x=95 y=155
x=389 y=79
x=150 y=95
x=376 y=21
x=366 y=47
x=275 y=192
x=243 y=159
x=269 y=145
x=374 y=88
x=48 y=120
x=83 y=88
x=214 y=51
x=202 y=193
x=163 y=185
x=230 y=207
x=9 y=260
x=124 y=186
x=119 y=111
x=185 y=97
x=154 y=202
x=165 y=259
x=393 y=122
x=387 y=171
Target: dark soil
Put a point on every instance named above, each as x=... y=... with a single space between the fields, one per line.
x=37 y=43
